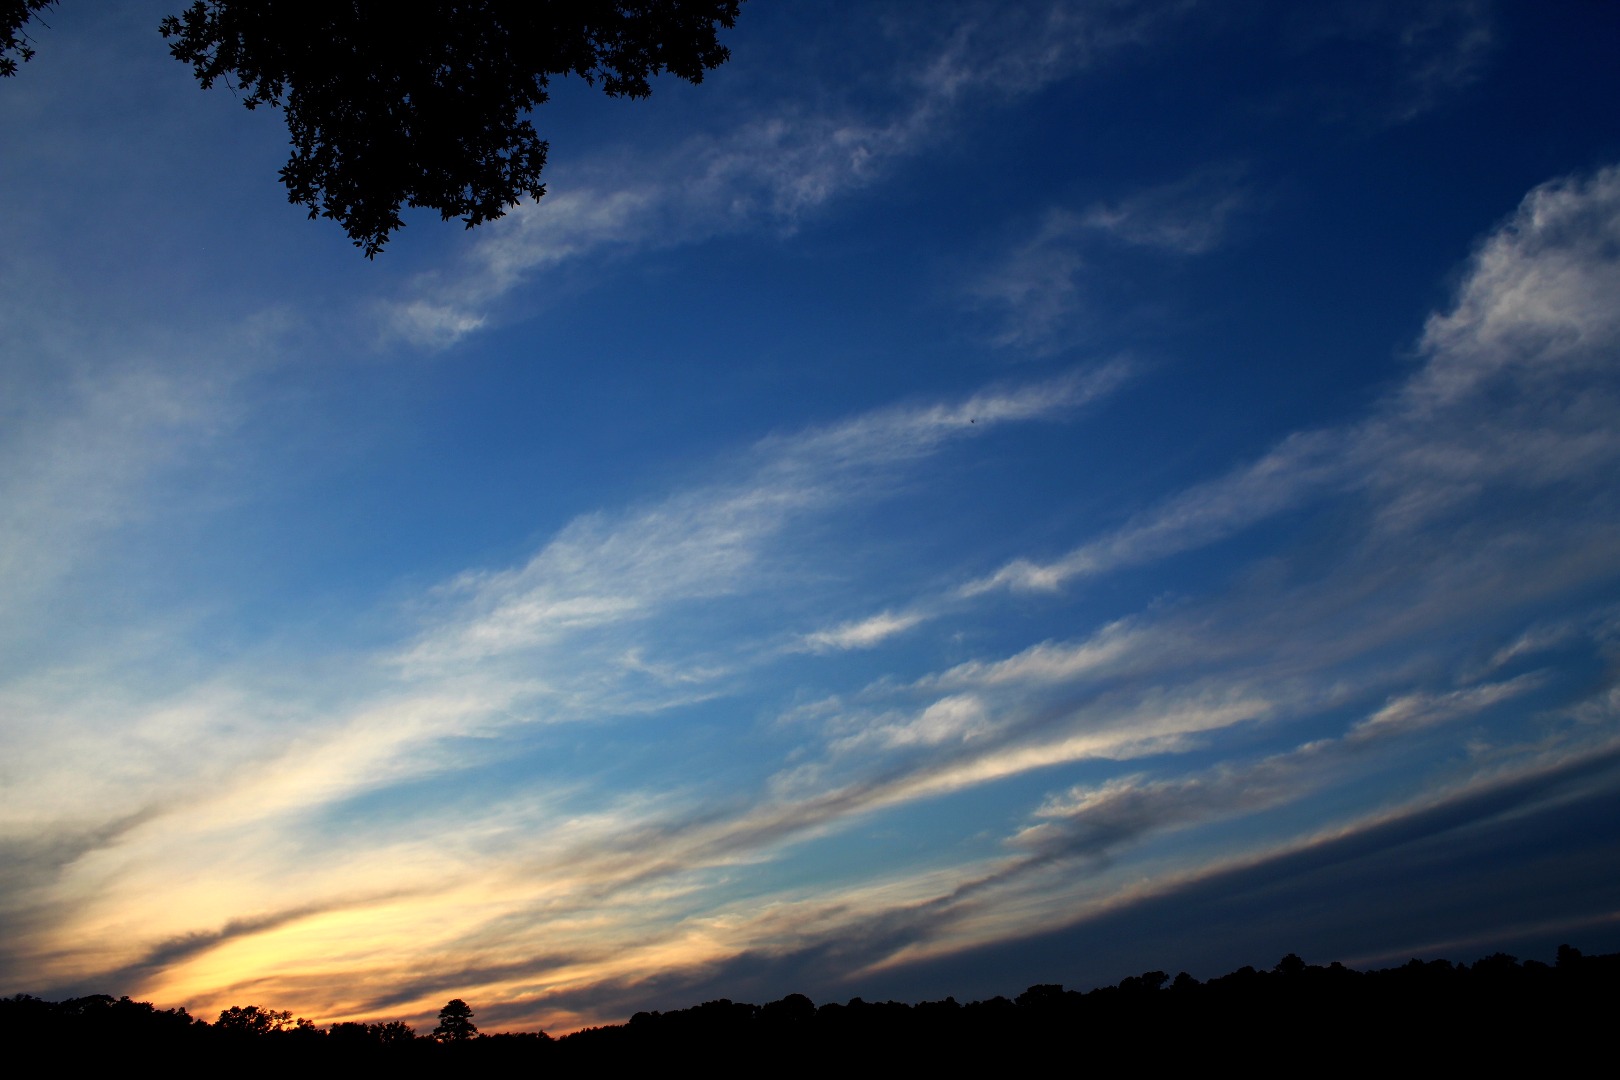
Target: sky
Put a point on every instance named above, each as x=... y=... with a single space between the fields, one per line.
x=971 y=495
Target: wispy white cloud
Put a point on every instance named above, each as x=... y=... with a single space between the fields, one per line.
x=712 y=541
x=582 y=630
x=1491 y=404
x=1445 y=47
x=1299 y=467
x=1090 y=821
x=862 y=633
x=1537 y=305
x=1038 y=287
x=1522 y=350
x=1045 y=889
x=71 y=474
x=1433 y=50
x=1148 y=687
x=769 y=172
x=1412 y=711
x=1190 y=216
x=1048 y=662
x=540 y=894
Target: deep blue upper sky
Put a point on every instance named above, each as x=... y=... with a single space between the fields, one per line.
x=970 y=495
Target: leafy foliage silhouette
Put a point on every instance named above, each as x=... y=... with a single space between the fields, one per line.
x=252 y=1020
x=388 y=110
x=15 y=44
x=426 y=107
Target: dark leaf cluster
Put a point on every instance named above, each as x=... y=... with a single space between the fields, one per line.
x=426 y=105
x=15 y=44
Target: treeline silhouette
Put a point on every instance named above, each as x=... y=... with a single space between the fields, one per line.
x=1494 y=1012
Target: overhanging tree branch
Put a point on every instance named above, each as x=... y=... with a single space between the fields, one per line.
x=15 y=44
x=421 y=106
x=430 y=110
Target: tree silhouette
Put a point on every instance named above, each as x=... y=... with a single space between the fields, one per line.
x=1494 y=1014
x=252 y=1020
x=455 y=1022
x=427 y=107
x=393 y=1033
x=388 y=110
x=1290 y=965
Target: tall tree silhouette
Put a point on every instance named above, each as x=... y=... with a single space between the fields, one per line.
x=455 y=1022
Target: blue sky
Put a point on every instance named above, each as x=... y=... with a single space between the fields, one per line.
x=970 y=495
